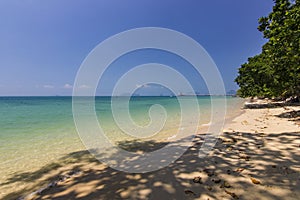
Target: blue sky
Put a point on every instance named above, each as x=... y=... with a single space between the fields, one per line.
x=43 y=43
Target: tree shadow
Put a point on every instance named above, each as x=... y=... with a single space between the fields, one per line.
x=290 y=114
x=138 y=145
x=224 y=174
x=293 y=115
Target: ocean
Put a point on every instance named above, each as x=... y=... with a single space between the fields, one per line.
x=36 y=131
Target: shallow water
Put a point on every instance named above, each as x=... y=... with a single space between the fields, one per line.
x=36 y=131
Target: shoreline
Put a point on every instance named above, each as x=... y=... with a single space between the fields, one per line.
x=257 y=155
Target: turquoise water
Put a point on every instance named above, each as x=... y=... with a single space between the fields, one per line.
x=35 y=131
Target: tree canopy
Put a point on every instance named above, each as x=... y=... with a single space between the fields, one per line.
x=275 y=72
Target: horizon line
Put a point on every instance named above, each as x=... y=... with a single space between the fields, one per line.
x=116 y=95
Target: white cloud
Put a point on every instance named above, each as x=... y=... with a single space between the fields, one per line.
x=143 y=86
x=68 y=86
x=48 y=86
x=84 y=87
x=138 y=86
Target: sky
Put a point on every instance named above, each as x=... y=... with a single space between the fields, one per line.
x=44 y=43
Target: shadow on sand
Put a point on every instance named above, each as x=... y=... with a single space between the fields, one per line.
x=224 y=174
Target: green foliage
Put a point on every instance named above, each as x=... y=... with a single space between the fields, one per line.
x=276 y=71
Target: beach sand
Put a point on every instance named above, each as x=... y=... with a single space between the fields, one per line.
x=256 y=157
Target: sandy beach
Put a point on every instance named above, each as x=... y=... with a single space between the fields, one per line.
x=256 y=157
x=150 y=100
